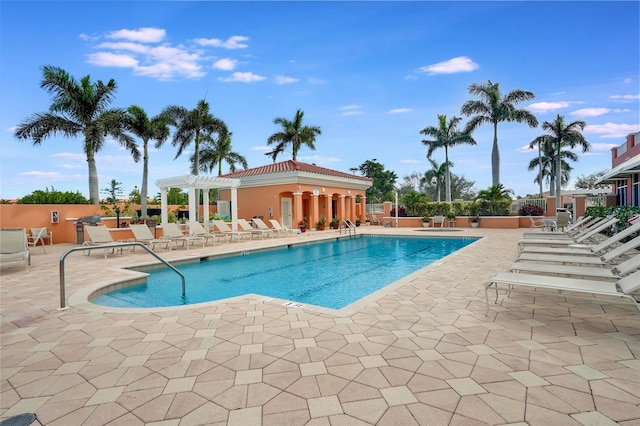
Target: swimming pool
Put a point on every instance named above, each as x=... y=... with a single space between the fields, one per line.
x=332 y=274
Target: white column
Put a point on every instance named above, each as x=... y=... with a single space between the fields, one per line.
x=234 y=208
x=193 y=204
x=164 y=207
x=205 y=207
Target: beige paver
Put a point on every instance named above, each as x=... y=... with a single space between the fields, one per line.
x=419 y=351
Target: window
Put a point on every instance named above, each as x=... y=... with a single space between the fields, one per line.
x=635 y=190
x=621 y=192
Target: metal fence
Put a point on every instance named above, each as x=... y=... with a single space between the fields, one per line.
x=595 y=201
x=375 y=208
x=540 y=202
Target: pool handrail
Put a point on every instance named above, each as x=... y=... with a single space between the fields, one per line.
x=63 y=299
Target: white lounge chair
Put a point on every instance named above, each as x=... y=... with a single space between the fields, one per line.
x=585 y=258
x=142 y=234
x=281 y=228
x=263 y=226
x=246 y=226
x=609 y=273
x=541 y=285
x=100 y=236
x=13 y=246
x=222 y=227
x=572 y=249
x=572 y=230
x=198 y=230
x=375 y=220
x=172 y=232
x=538 y=223
x=567 y=241
x=38 y=235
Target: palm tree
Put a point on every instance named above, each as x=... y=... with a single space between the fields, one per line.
x=493 y=108
x=436 y=175
x=563 y=135
x=495 y=195
x=215 y=151
x=192 y=126
x=546 y=165
x=146 y=129
x=414 y=202
x=294 y=133
x=445 y=135
x=79 y=108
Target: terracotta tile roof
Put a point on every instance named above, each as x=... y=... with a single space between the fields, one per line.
x=292 y=166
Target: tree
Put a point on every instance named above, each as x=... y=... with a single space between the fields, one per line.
x=53 y=197
x=546 y=165
x=146 y=129
x=493 y=108
x=435 y=177
x=495 y=196
x=192 y=126
x=384 y=181
x=589 y=181
x=79 y=108
x=215 y=151
x=415 y=203
x=113 y=193
x=563 y=135
x=445 y=135
x=294 y=133
x=461 y=188
x=134 y=196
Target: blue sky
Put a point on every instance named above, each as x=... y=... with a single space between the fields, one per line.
x=371 y=75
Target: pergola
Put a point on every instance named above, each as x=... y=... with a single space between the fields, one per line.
x=193 y=183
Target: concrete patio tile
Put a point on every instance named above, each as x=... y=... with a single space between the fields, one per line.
x=183 y=384
x=324 y=406
x=373 y=361
x=466 y=386
x=245 y=416
x=313 y=369
x=103 y=396
x=305 y=343
x=398 y=395
x=248 y=376
x=586 y=372
x=593 y=418
x=528 y=379
x=251 y=349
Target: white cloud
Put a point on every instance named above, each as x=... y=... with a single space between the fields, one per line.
x=243 y=77
x=595 y=112
x=316 y=81
x=320 y=159
x=225 y=64
x=349 y=113
x=399 y=110
x=452 y=66
x=548 y=106
x=410 y=161
x=262 y=148
x=108 y=59
x=612 y=130
x=70 y=156
x=233 y=42
x=349 y=107
x=143 y=35
x=283 y=79
x=348 y=110
x=603 y=146
x=43 y=175
x=625 y=97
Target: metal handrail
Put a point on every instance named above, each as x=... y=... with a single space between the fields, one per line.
x=63 y=299
x=348 y=227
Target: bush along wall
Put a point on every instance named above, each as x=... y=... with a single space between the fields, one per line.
x=623 y=213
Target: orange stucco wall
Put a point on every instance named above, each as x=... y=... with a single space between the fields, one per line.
x=267 y=202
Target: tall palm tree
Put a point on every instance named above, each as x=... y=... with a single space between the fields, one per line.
x=192 y=126
x=146 y=129
x=445 y=135
x=215 y=151
x=546 y=164
x=294 y=133
x=79 y=108
x=493 y=108
x=436 y=176
x=563 y=135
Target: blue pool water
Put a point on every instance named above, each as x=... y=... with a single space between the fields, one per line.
x=331 y=274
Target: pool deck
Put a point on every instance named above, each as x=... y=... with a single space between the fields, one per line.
x=418 y=352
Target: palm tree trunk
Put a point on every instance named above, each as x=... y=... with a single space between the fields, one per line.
x=558 y=180
x=495 y=157
x=94 y=189
x=447 y=177
x=540 y=167
x=144 y=188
